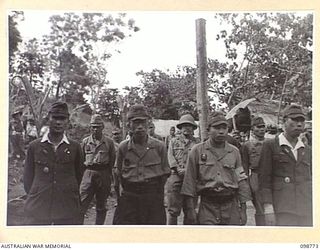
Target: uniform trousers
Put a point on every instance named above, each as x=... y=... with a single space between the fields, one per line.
x=256 y=198
x=35 y=221
x=219 y=212
x=288 y=219
x=143 y=206
x=95 y=183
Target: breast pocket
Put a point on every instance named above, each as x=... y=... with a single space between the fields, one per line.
x=229 y=173
x=207 y=171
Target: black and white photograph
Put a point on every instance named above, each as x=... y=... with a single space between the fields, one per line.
x=160 y=118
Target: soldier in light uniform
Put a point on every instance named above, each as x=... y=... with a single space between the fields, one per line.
x=152 y=133
x=170 y=136
x=214 y=171
x=100 y=156
x=250 y=152
x=179 y=148
x=142 y=166
x=285 y=174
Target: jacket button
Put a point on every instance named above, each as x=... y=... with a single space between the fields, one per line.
x=287 y=179
x=46 y=170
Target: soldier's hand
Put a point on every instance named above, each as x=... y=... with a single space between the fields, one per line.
x=270 y=219
x=191 y=217
x=243 y=214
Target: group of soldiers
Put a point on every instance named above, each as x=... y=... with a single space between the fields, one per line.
x=210 y=181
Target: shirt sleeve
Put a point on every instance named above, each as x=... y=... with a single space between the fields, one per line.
x=28 y=173
x=245 y=157
x=120 y=155
x=112 y=154
x=265 y=173
x=189 y=186
x=164 y=161
x=171 y=159
x=244 y=192
x=79 y=164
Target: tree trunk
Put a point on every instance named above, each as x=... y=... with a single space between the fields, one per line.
x=281 y=97
x=202 y=95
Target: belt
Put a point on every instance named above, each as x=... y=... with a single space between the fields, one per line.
x=97 y=167
x=211 y=195
x=151 y=185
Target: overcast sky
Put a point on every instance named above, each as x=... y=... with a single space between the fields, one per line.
x=165 y=41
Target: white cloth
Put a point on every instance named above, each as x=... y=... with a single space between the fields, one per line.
x=283 y=141
x=45 y=138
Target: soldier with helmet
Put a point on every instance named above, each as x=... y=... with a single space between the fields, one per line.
x=250 y=152
x=179 y=148
x=214 y=171
x=99 y=152
x=142 y=167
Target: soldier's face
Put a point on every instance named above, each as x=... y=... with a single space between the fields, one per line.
x=172 y=131
x=259 y=130
x=218 y=133
x=116 y=137
x=187 y=129
x=294 y=126
x=58 y=124
x=96 y=131
x=139 y=127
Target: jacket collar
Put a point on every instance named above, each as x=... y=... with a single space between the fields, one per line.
x=45 y=138
x=150 y=143
x=227 y=146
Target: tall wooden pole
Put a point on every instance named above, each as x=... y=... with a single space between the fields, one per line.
x=202 y=94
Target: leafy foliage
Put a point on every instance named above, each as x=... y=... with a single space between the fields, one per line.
x=275 y=55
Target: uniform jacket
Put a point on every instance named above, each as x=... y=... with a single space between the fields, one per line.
x=208 y=170
x=103 y=153
x=179 y=148
x=52 y=179
x=250 y=153
x=284 y=181
x=135 y=167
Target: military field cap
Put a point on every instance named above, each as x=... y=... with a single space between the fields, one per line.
x=217 y=118
x=293 y=111
x=96 y=119
x=116 y=131
x=187 y=119
x=256 y=121
x=59 y=109
x=138 y=112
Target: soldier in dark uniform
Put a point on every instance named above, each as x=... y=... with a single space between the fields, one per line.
x=52 y=174
x=214 y=171
x=179 y=148
x=250 y=152
x=142 y=166
x=100 y=156
x=285 y=174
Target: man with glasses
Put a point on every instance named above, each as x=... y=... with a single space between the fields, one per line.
x=285 y=174
x=250 y=152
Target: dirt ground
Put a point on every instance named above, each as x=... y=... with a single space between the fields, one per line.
x=16 y=199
